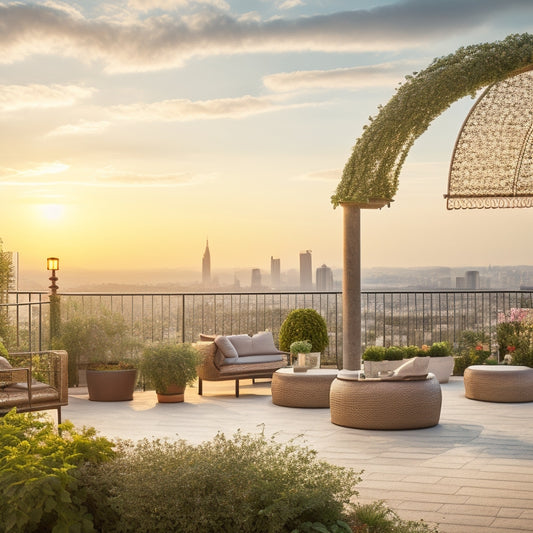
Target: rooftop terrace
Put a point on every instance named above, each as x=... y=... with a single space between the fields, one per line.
x=472 y=473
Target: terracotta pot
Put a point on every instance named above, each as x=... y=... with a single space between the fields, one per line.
x=111 y=385
x=172 y=394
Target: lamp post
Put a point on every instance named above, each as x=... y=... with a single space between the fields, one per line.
x=52 y=264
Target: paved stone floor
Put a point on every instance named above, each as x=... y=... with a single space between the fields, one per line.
x=471 y=473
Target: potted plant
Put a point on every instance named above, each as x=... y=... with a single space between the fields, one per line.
x=102 y=354
x=169 y=368
x=378 y=359
x=300 y=349
x=441 y=361
x=304 y=324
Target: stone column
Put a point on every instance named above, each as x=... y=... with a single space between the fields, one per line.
x=351 y=288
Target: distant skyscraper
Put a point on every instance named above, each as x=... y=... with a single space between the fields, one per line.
x=472 y=279
x=256 y=278
x=324 y=278
x=306 y=271
x=206 y=266
x=275 y=273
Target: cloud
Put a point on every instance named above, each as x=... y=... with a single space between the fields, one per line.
x=184 y=110
x=384 y=74
x=42 y=169
x=15 y=97
x=169 y=40
x=55 y=173
x=81 y=128
x=149 y=5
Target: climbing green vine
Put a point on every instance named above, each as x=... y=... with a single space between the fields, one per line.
x=378 y=155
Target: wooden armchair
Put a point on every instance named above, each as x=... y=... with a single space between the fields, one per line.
x=34 y=381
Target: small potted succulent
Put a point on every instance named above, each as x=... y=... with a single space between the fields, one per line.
x=169 y=368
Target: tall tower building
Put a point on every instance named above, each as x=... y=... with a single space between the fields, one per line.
x=472 y=279
x=256 y=278
x=306 y=271
x=206 y=266
x=324 y=279
x=275 y=273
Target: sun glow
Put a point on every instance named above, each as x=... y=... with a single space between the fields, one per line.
x=52 y=212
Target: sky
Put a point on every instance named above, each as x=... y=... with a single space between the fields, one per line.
x=132 y=131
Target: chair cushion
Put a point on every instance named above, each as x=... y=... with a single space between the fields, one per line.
x=260 y=344
x=227 y=348
x=4 y=364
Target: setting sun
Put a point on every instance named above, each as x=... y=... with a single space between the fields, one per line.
x=52 y=212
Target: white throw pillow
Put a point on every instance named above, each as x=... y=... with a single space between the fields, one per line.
x=226 y=347
x=263 y=343
x=242 y=343
x=417 y=367
x=4 y=364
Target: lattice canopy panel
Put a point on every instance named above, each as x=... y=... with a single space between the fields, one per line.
x=492 y=164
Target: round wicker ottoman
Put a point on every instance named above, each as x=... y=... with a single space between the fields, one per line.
x=372 y=404
x=500 y=383
x=302 y=389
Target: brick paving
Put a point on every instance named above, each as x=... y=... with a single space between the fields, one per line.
x=472 y=473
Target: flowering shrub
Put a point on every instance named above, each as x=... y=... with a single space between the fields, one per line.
x=515 y=336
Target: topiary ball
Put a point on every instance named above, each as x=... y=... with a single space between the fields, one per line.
x=301 y=325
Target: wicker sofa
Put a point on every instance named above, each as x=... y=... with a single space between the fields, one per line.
x=237 y=357
x=34 y=381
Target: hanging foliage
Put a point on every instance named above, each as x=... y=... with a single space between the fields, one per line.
x=378 y=155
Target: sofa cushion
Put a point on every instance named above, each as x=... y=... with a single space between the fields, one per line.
x=251 y=359
x=225 y=345
x=260 y=344
x=207 y=337
x=242 y=344
x=4 y=364
x=263 y=344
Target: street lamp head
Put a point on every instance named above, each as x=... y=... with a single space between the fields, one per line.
x=52 y=263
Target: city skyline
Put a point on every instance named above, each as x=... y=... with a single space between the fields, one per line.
x=133 y=129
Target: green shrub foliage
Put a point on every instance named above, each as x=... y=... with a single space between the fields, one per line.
x=169 y=364
x=302 y=325
x=439 y=349
x=394 y=353
x=39 y=483
x=374 y=353
x=247 y=483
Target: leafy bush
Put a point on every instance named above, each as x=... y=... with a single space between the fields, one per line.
x=439 y=349
x=169 y=364
x=301 y=325
x=246 y=484
x=394 y=353
x=374 y=353
x=300 y=347
x=376 y=517
x=410 y=351
x=523 y=358
x=97 y=340
x=39 y=486
x=3 y=350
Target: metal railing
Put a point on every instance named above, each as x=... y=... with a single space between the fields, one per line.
x=388 y=317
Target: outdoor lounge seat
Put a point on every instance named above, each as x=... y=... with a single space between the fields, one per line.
x=499 y=383
x=237 y=357
x=38 y=382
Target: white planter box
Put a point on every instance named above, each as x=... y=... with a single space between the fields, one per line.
x=442 y=367
x=309 y=360
x=372 y=368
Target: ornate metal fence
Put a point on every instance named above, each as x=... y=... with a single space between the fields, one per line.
x=393 y=317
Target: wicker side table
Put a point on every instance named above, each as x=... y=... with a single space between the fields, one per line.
x=499 y=383
x=302 y=389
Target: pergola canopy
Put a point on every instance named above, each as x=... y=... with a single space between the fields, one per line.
x=492 y=163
